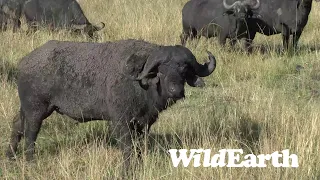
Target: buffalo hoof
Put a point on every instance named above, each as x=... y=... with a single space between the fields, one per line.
x=11 y=156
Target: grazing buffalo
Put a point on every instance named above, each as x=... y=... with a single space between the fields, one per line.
x=11 y=11
x=212 y=18
x=53 y=13
x=288 y=17
x=128 y=82
x=3 y=21
x=58 y=14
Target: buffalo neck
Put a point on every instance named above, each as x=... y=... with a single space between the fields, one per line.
x=304 y=11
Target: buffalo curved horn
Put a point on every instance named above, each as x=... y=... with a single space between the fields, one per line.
x=83 y=26
x=78 y=26
x=99 y=27
x=205 y=69
x=230 y=6
x=200 y=70
x=257 y=5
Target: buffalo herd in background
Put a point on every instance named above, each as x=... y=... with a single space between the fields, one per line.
x=127 y=81
x=243 y=19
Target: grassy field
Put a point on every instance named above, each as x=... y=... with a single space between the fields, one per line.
x=257 y=102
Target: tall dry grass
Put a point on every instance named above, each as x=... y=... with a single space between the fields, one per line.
x=258 y=103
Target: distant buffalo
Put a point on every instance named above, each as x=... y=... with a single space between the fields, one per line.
x=220 y=18
x=55 y=14
x=3 y=21
x=11 y=10
x=128 y=82
x=288 y=17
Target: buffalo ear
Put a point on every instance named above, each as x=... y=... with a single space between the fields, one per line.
x=255 y=15
x=154 y=80
x=134 y=65
x=143 y=67
x=228 y=12
x=195 y=81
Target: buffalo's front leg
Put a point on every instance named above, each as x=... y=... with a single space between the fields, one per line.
x=183 y=38
x=295 y=39
x=223 y=38
x=188 y=34
x=16 y=25
x=126 y=133
x=248 y=42
x=285 y=37
x=122 y=133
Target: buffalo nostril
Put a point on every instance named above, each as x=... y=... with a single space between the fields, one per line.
x=172 y=90
x=176 y=92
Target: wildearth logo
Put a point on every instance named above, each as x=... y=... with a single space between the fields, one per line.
x=231 y=158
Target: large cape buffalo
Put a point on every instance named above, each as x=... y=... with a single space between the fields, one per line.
x=288 y=17
x=211 y=18
x=128 y=82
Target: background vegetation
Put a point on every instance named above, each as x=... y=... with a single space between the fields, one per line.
x=257 y=102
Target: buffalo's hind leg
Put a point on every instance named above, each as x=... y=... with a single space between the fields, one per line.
x=34 y=116
x=16 y=135
x=32 y=27
x=183 y=38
